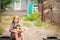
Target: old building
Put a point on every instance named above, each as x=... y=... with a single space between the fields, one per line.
x=20 y=5
x=52 y=14
x=56 y=12
x=45 y=10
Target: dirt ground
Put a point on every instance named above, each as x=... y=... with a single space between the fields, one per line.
x=32 y=33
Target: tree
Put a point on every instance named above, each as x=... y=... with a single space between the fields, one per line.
x=41 y=9
x=3 y=6
x=4 y=3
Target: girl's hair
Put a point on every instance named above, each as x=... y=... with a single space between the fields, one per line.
x=14 y=19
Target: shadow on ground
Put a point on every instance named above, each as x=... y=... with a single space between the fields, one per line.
x=5 y=38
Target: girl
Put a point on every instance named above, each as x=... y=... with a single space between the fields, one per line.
x=15 y=29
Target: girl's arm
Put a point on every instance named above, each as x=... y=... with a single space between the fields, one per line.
x=11 y=29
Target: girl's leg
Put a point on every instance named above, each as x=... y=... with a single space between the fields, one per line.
x=13 y=35
x=22 y=37
x=16 y=36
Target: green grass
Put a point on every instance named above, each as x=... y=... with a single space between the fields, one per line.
x=4 y=24
x=20 y=17
x=1 y=30
x=6 y=20
x=26 y=24
x=39 y=24
x=51 y=26
x=9 y=18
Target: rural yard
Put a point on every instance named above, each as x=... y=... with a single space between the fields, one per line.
x=39 y=18
x=32 y=32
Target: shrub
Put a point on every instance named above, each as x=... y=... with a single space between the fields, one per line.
x=28 y=18
x=35 y=16
x=32 y=17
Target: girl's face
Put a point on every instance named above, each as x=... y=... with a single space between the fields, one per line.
x=16 y=20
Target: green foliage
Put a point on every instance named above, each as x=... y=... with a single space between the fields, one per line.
x=26 y=24
x=32 y=17
x=28 y=18
x=17 y=0
x=9 y=7
x=4 y=4
x=1 y=30
x=39 y=24
x=35 y=15
x=20 y=17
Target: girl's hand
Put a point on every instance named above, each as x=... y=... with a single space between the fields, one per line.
x=15 y=30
